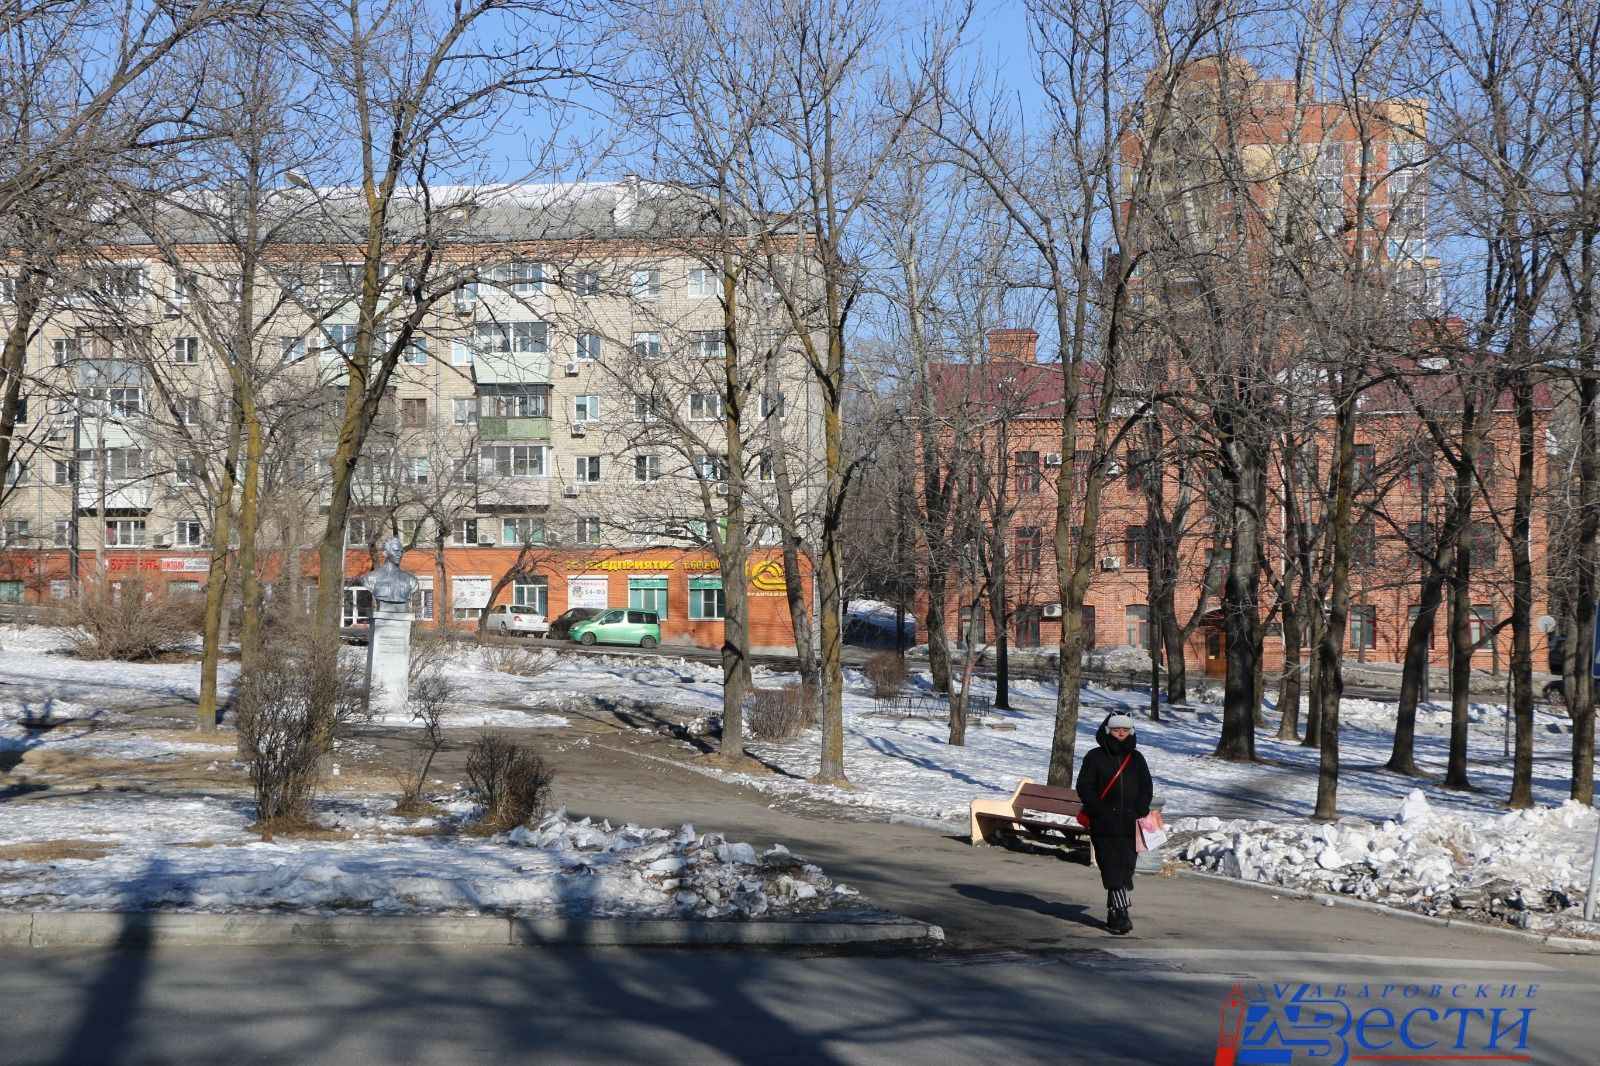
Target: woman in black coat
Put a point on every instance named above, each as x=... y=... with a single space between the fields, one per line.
x=1112 y=818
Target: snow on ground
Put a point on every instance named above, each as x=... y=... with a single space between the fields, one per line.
x=1453 y=851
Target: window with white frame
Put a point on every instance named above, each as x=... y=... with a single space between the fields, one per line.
x=512 y=460
x=188 y=533
x=463 y=471
x=460 y=353
x=711 y=466
x=294 y=349
x=464 y=410
x=66 y=472
x=115 y=401
x=16 y=472
x=646 y=409
x=705 y=407
x=184 y=471
x=186 y=350
x=702 y=283
x=775 y=406
x=765 y=534
x=647 y=468
x=362 y=531
x=413 y=530
x=706 y=343
x=120 y=282
x=414 y=470
x=521 y=278
x=339 y=281
x=61 y=533
x=15 y=533
x=189 y=410
x=648 y=594
x=122 y=464
x=339 y=340
x=586 y=408
x=233 y=287
x=586 y=283
x=587 y=347
x=766 y=469
x=528 y=338
x=125 y=533
x=415 y=352
x=185 y=287
x=532 y=593
x=514 y=401
x=588 y=530
x=706 y=602
x=522 y=529
x=646 y=284
x=63 y=350
x=647 y=345
x=586 y=469
x=464 y=532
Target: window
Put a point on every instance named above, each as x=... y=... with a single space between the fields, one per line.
x=1088 y=625
x=14 y=534
x=125 y=533
x=340 y=280
x=588 y=347
x=646 y=284
x=413 y=530
x=1419 y=475
x=466 y=296
x=464 y=531
x=414 y=412
x=1138 y=476
x=1364 y=544
x=22 y=410
x=294 y=349
x=702 y=283
x=464 y=410
x=122 y=464
x=1411 y=619
x=63 y=350
x=422 y=602
x=1026 y=623
x=1136 y=548
x=16 y=472
x=586 y=469
x=460 y=353
x=711 y=466
x=586 y=408
x=1484 y=463
x=185 y=287
x=646 y=409
x=778 y=407
x=514 y=401
x=521 y=278
x=1136 y=619
x=339 y=340
x=706 y=343
x=588 y=530
x=414 y=470
x=1366 y=461
x=647 y=345
x=706 y=602
x=186 y=350
x=11 y=591
x=532 y=593
x=522 y=529
x=66 y=471
x=188 y=407
x=971 y=626
x=415 y=353
x=1030 y=539
x=1485 y=544
x=1027 y=472
x=705 y=407
x=120 y=282
x=649 y=594
x=766 y=467
x=647 y=468
x=1080 y=471
x=1218 y=562
x=1480 y=625
x=188 y=533
x=512 y=460
x=586 y=283
x=61 y=533
x=504 y=338
x=1363 y=626
x=114 y=401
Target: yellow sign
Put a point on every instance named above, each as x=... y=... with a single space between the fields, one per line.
x=619 y=564
x=767 y=576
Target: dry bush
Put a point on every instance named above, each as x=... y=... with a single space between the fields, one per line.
x=431 y=649
x=888 y=673
x=431 y=696
x=779 y=713
x=510 y=781
x=290 y=702
x=517 y=660
x=132 y=623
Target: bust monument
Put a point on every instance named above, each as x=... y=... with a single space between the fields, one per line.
x=389 y=645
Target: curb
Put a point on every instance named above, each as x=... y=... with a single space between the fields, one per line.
x=136 y=929
x=1571 y=945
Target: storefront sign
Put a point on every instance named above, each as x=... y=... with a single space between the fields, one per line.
x=767 y=576
x=470 y=591
x=587 y=592
x=186 y=566
x=619 y=564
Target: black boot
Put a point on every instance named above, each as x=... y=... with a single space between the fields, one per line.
x=1117 y=922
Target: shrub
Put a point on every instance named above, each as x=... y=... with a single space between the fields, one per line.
x=431 y=696
x=779 y=713
x=289 y=703
x=510 y=781
x=517 y=660
x=888 y=673
x=431 y=649
x=133 y=622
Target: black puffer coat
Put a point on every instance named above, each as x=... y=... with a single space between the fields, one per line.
x=1128 y=799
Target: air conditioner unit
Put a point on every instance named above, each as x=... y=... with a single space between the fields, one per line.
x=722 y=488
x=464 y=310
x=1113 y=468
x=1052 y=458
x=1050 y=610
x=580 y=430
x=486 y=540
x=1111 y=562
x=572 y=369
x=164 y=541
x=570 y=491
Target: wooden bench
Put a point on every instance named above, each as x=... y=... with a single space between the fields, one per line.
x=1022 y=813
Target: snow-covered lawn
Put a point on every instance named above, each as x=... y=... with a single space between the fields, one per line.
x=1464 y=851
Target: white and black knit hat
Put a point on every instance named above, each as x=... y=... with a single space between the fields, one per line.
x=1119 y=721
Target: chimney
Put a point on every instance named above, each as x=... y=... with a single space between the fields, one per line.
x=1014 y=345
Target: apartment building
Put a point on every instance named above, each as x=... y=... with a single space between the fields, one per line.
x=559 y=412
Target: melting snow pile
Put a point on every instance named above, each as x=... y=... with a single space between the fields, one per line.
x=1528 y=867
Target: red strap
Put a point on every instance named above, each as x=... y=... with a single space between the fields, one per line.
x=1116 y=775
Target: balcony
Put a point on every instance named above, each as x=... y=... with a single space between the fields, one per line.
x=494 y=428
x=496 y=492
x=124 y=496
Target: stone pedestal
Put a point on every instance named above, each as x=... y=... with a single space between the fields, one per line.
x=389 y=661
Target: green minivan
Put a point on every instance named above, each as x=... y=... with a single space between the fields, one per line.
x=620 y=626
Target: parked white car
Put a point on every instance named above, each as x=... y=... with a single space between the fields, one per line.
x=518 y=621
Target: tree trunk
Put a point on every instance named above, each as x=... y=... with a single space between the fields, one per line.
x=217 y=577
x=1461 y=619
x=1522 y=597
x=1240 y=610
x=1289 y=680
x=1414 y=672
x=1330 y=649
